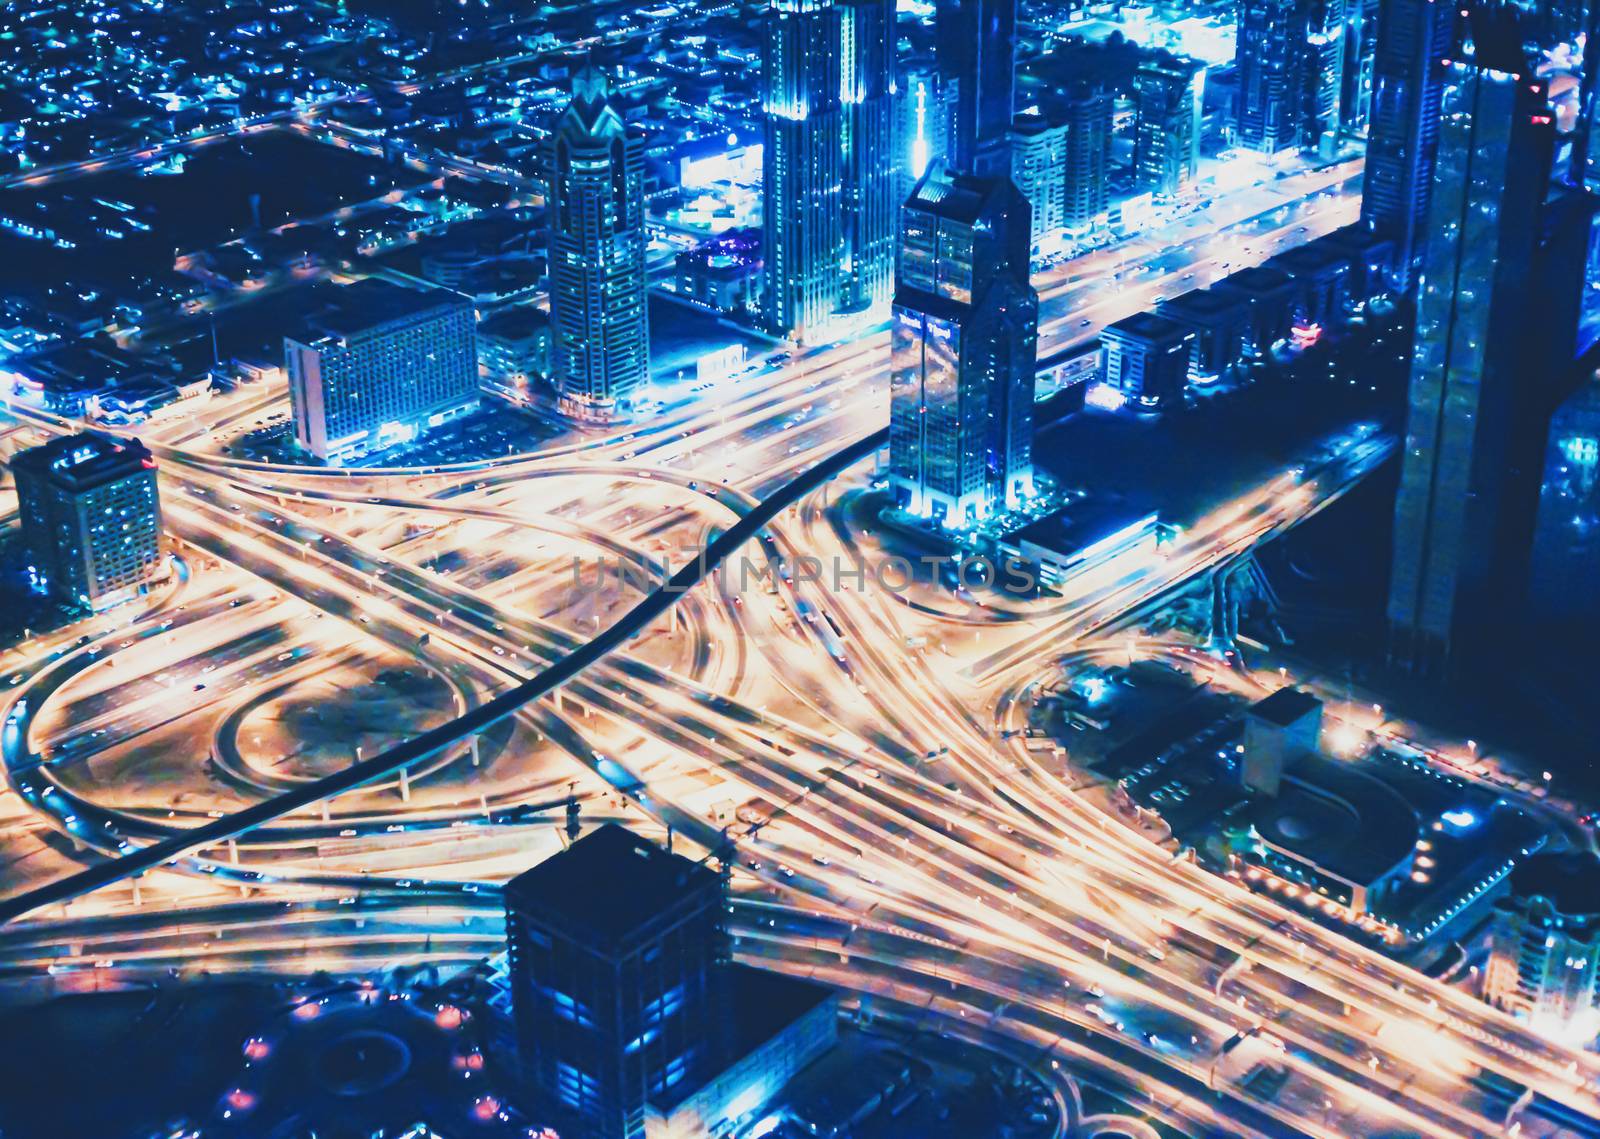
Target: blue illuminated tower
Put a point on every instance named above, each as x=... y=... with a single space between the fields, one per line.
x=867 y=44
x=1290 y=60
x=963 y=350
x=600 y=344
x=1403 y=135
x=828 y=162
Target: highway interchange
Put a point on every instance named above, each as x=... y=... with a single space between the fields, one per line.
x=919 y=853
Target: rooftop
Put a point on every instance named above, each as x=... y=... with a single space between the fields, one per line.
x=610 y=883
x=351 y=310
x=1148 y=326
x=1200 y=303
x=1285 y=706
x=88 y=459
x=1569 y=880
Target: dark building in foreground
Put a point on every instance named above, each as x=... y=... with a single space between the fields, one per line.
x=630 y=1022
x=1565 y=577
x=91 y=518
x=963 y=350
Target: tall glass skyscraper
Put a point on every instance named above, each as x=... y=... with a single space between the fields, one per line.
x=977 y=58
x=963 y=350
x=600 y=342
x=828 y=162
x=1088 y=113
x=866 y=57
x=1403 y=136
x=1465 y=503
x=922 y=122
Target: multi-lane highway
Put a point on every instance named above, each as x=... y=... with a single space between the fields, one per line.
x=917 y=850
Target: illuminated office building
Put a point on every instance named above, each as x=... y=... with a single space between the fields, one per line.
x=867 y=57
x=1290 y=61
x=1413 y=37
x=374 y=365
x=977 y=59
x=1468 y=472
x=1360 y=55
x=1544 y=947
x=828 y=164
x=1167 y=94
x=91 y=518
x=963 y=350
x=1039 y=172
x=599 y=312
x=1086 y=195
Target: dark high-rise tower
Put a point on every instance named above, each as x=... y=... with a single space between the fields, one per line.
x=963 y=349
x=1498 y=278
x=977 y=60
x=615 y=947
x=600 y=343
x=1403 y=137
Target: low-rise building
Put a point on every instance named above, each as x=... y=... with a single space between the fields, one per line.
x=1147 y=358
x=1220 y=322
x=1545 y=946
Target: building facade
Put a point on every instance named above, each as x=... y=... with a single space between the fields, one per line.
x=1566 y=544
x=828 y=164
x=1147 y=358
x=1544 y=957
x=376 y=365
x=922 y=122
x=91 y=518
x=1086 y=194
x=599 y=311
x=963 y=350
x=1468 y=476
x=1290 y=61
x=977 y=59
x=867 y=59
x=1413 y=37
x=1039 y=172
x=1167 y=94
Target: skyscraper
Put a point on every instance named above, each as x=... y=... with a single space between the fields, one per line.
x=867 y=57
x=374 y=365
x=1268 y=67
x=828 y=163
x=977 y=58
x=963 y=349
x=600 y=344
x=91 y=517
x=1413 y=37
x=1167 y=93
x=1290 y=60
x=1039 y=172
x=1321 y=45
x=1469 y=471
x=1087 y=112
x=613 y=952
